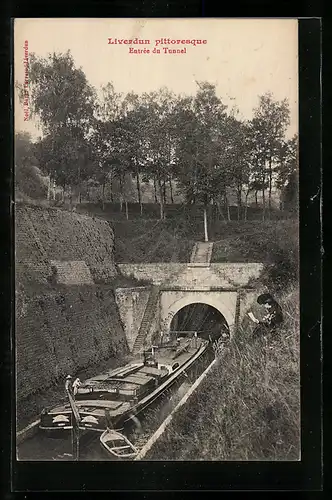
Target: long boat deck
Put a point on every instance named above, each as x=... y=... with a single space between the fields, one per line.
x=170 y=355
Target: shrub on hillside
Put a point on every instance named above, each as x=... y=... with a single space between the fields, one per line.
x=276 y=244
x=29 y=183
x=122 y=281
x=248 y=407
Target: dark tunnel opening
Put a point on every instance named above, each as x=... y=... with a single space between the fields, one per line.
x=204 y=319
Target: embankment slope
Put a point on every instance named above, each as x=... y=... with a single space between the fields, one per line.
x=60 y=328
x=248 y=407
x=45 y=234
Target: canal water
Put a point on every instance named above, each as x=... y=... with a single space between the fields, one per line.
x=45 y=448
x=41 y=447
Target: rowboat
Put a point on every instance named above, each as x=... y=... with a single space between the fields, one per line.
x=117 y=445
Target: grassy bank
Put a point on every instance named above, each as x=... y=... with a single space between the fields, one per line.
x=235 y=241
x=248 y=408
x=145 y=241
x=255 y=240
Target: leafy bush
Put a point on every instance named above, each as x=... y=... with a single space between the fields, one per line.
x=273 y=243
x=29 y=183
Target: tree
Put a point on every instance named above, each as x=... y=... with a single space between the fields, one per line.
x=24 y=150
x=121 y=162
x=59 y=93
x=104 y=137
x=159 y=107
x=109 y=104
x=238 y=160
x=103 y=155
x=258 y=171
x=119 y=139
x=270 y=122
x=28 y=180
x=134 y=128
x=66 y=157
x=201 y=149
x=287 y=172
x=64 y=102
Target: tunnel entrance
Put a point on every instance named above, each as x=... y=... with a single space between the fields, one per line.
x=202 y=318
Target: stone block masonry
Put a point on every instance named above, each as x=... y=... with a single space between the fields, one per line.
x=45 y=234
x=225 y=287
x=149 y=315
x=74 y=272
x=158 y=273
x=65 y=322
x=168 y=275
x=131 y=304
x=172 y=301
x=64 y=330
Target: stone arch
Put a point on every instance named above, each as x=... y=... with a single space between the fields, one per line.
x=201 y=317
x=225 y=304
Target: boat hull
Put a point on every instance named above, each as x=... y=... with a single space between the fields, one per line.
x=117 y=445
x=190 y=370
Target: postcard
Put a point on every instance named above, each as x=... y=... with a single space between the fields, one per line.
x=157 y=240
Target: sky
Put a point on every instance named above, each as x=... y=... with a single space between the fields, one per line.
x=245 y=58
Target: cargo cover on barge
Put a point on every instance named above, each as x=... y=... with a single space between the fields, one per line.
x=113 y=399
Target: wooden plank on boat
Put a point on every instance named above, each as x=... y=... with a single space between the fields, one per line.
x=125 y=370
x=143 y=379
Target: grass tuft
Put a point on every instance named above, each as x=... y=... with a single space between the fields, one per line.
x=248 y=407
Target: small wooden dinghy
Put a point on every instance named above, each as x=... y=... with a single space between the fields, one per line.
x=118 y=445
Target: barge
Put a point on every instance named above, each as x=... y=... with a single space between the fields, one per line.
x=114 y=400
